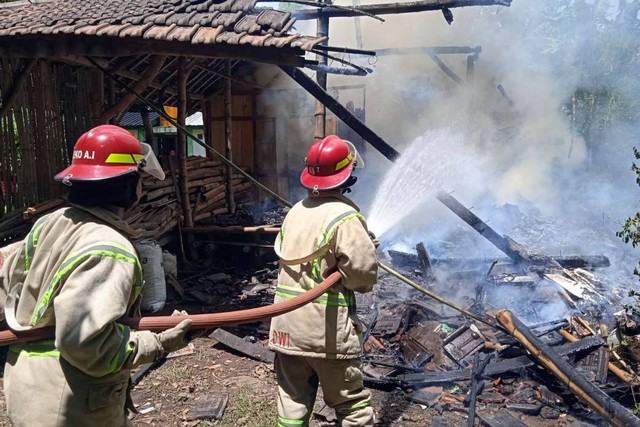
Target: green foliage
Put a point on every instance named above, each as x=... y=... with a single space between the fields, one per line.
x=630 y=232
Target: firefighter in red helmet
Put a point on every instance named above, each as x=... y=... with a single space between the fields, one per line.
x=77 y=272
x=321 y=343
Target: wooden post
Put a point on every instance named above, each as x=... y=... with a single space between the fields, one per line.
x=96 y=82
x=227 y=133
x=187 y=218
x=321 y=78
x=148 y=130
x=471 y=67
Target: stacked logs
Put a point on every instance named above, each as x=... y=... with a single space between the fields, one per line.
x=159 y=210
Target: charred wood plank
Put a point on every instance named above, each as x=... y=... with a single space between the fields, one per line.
x=342 y=112
x=497 y=368
x=597 y=400
x=137 y=376
x=505 y=244
x=577 y=261
x=620 y=373
x=254 y=351
x=423 y=256
x=476 y=385
x=500 y=419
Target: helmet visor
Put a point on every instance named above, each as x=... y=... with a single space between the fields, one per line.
x=358 y=162
x=149 y=162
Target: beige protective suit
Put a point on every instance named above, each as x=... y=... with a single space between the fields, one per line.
x=77 y=271
x=322 y=341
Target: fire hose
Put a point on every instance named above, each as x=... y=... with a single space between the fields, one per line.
x=229 y=318
x=200 y=321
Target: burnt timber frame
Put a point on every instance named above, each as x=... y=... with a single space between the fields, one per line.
x=395 y=8
x=341 y=112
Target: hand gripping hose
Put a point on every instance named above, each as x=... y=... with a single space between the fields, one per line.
x=200 y=321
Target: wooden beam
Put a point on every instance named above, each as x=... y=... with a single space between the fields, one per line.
x=395 y=8
x=342 y=112
x=128 y=98
x=56 y=45
x=429 y=50
x=228 y=124
x=120 y=72
x=19 y=76
x=445 y=69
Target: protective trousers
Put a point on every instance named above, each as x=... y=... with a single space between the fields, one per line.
x=342 y=388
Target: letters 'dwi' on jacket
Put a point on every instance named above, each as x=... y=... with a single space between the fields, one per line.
x=76 y=271
x=322 y=234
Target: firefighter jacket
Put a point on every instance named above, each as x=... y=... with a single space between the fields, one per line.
x=322 y=234
x=75 y=271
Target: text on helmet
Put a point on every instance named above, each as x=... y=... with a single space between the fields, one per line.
x=82 y=154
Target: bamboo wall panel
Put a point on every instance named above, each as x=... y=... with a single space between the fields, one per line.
x=37 y=134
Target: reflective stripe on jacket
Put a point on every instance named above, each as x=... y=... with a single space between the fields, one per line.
x=76 y=271
x=327 y=233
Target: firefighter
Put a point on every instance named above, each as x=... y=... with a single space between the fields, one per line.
x=321 y=342
x=77 y=272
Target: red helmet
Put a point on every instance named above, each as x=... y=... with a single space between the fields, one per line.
x=329 y=164
x=108 y=151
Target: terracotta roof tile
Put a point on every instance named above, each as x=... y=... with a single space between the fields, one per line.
x=135 y=30
x=207 y=35
x=197 y=21
x=183 y=34
x=247 y=24
x=273 y=18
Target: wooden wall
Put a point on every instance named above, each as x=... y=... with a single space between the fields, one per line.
x=271 y=131
x=37 y=134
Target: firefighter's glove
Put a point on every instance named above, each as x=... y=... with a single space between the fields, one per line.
x=175 y=338
x=374 y=239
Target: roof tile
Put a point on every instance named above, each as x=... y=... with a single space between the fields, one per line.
x=182 y=34
x=273 y=18
x=158 y=33
x=195 y=21
x=247 y=24
x=207 y=35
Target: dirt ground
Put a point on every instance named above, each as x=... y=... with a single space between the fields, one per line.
x=177 y=386
x=168 y=395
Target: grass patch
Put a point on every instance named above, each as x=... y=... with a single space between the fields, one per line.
x=259 y=410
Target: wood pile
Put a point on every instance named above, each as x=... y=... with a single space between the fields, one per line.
x=159 y=209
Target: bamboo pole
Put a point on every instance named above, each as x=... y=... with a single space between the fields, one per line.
x=595 y=398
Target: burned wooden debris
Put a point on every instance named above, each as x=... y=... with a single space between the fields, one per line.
x=252 y=350
x=447 y=361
